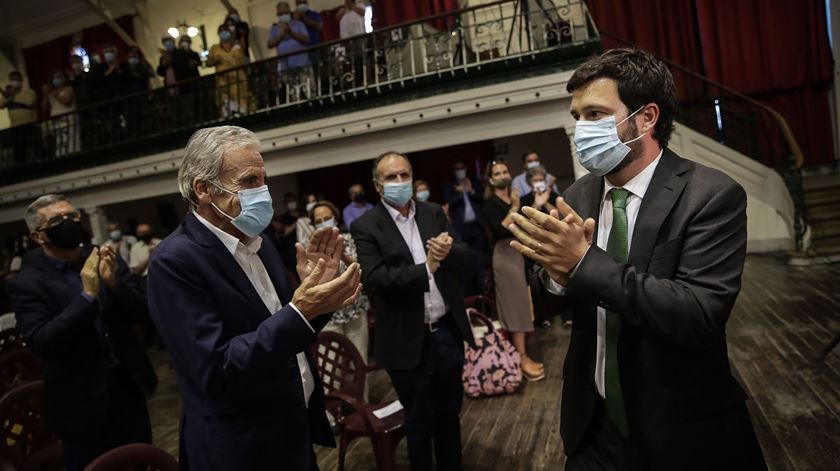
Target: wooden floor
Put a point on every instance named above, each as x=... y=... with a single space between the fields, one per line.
x=782 y=320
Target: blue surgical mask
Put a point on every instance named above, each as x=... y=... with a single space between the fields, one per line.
x=533 y=164
x=460 y=174
x=303 y=7
x=224 y=35
x=422 y=195
x=133 y=61
x=599 y=148
x=110 y=56
x=397 y=194
x=287 y=18
x=169 y=45
x=57 y=82
x=328 y=223
x=234 y=17
x=256 y=210
x=115 y=235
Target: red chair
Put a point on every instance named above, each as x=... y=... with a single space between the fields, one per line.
x=10 y=341
x=132 y=457
x=343 y=374
x=18 y=367
x=25 y=442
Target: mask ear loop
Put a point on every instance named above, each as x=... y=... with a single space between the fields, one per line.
x=628 y=117
x=214 y=204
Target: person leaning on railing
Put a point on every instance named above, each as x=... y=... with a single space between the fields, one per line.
x=20 y=102
x=59 y=102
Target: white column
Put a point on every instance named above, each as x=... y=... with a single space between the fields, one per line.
x=578 y=168
x=98 y=224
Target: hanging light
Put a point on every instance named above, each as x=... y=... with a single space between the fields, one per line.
x=173 y=31
x=192 y=31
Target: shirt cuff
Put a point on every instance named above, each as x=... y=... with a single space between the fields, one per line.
x=556 y=288
x=301 y=316
x=429 y=273
x=88 y=297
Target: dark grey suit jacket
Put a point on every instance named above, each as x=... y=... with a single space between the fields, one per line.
x=675 y=295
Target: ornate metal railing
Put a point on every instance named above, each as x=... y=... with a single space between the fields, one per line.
x=741 y=123
x=472 y=43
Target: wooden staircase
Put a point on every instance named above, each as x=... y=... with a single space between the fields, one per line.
x=822 y=196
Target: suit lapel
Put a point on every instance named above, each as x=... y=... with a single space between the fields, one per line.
x=49 y=270
x=389 y=229
x=664 y=190
x=425 y=225
x=228 y=265
x=590 y=205
x=276 y=271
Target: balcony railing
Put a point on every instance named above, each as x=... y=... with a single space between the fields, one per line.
x=477 y=42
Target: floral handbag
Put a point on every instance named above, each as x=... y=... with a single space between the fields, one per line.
x=493 y=366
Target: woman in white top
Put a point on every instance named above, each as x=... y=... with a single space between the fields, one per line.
x=60 y=102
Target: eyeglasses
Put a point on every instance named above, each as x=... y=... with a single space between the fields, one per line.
x=56 y=220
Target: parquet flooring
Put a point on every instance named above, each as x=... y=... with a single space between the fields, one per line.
x=782 y=319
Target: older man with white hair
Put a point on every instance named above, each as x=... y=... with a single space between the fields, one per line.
x=237 y=334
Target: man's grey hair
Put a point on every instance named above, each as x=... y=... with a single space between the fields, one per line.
x=31 y=216
x=532 y=172
x=205 y=154
x=286 y=4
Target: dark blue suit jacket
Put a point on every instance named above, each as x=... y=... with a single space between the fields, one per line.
x=243 y=403
x=61 y=328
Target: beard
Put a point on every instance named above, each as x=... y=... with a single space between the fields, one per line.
x=635 y=153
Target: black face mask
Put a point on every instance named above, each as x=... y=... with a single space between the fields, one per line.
x=359 y=198
x=145 y=238
x=67 y=235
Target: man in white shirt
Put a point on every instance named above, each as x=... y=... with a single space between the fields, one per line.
x=410 y=268
x=237 y=334
x=652 y=283
x=520 y=182
x=120 y=242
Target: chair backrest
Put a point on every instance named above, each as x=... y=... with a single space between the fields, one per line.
x=10 y=340
x=8 y=321
x=25 y=440
x=18 y=367
x=340 y=365
x=134 y=456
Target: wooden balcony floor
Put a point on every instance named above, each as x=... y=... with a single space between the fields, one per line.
x=783 y=318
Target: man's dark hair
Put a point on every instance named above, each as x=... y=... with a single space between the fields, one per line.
x=381 y=156
x=641 y=79
x=526 y=154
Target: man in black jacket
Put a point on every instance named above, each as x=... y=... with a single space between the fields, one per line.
x=409 y=270
x=74 y=305
x=652 y=283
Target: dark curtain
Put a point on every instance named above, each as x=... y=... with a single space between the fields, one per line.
x=329 y=22
x=779 y=54
x=42 y=59
x=391 y=12
x=666 y=28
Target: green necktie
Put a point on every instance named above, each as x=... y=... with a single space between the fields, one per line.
x=617 y=248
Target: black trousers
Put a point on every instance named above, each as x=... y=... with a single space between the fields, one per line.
x=603 y=447
x=432 y=395
x=126 y=421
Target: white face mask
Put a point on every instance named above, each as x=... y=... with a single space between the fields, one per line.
x=309 y=206
x=291 y=205
x=539 y=187
x=599 y=148
x=533 y=164
x=327 y=223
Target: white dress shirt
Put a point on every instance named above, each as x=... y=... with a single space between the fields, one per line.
x=435 y=306
x=637 y=186
x=247 y=258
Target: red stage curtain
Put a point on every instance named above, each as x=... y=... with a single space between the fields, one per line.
x=42 y=59
x=391 y=12
x=666 y=28
x=329 y=22
x=778 y=53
